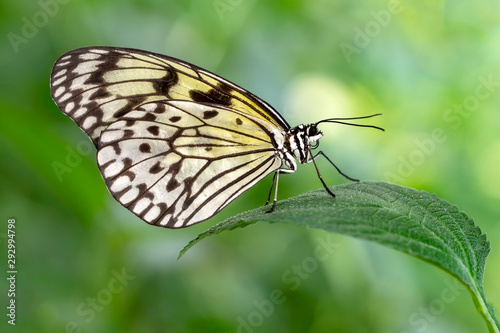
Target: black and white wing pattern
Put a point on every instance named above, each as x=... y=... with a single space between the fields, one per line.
x=175 y=142
x=176 y=163
x=95 y=86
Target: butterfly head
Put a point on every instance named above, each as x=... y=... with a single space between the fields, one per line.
x=313 y=134
x=302 y=139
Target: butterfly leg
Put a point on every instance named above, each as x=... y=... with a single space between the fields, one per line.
x=271 y=188
x=329 y=160
x=319 y=174
x=276 y=177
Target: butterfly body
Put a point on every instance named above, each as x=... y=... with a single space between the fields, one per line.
x=176 y=143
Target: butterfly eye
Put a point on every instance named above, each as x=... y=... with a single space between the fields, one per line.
x=312 y=130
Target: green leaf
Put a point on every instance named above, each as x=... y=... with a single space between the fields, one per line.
x=411 y=221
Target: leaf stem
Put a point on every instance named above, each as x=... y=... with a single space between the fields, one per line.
x=484 y=309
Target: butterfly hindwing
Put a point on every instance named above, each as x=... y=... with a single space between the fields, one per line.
x=176 y=163
x=96 y=86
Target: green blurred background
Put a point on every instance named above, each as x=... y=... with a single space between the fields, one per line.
x=431 y=67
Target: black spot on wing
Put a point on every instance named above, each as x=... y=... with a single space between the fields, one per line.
x=212 y=96
x=238 y=121
x=127 y=163
x=162 y=206
x=145 y=148
x=160 y=108
x=174 y=119
x=142 y=188
x=156 y=168
x=172 y=184
x=128 y=133
x=175 y=168
x=209 y=114
x=155 y=130
x=149 y=117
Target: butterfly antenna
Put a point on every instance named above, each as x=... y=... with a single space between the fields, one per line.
x=343 y=121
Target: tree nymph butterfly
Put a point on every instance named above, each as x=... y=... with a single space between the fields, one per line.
x=175 y=142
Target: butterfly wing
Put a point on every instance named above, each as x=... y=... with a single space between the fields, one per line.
x=177 y=163
x=96 y=86
x=176 y=143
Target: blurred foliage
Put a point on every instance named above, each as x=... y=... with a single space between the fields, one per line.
x=425 y=64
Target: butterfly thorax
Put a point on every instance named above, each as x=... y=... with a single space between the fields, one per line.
x=298 y=143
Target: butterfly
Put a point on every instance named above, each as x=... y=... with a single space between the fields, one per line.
x=175 y=142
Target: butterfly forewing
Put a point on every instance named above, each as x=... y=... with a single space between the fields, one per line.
x=176 y=163
x=96 y=86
